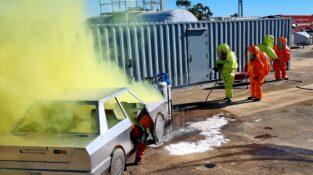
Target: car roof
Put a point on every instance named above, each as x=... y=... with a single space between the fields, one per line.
x=87 y=94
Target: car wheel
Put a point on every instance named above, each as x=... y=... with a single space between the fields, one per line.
x=159 y=127
x=117 y=162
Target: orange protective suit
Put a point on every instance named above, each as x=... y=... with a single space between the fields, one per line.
x=258 y=68
x=139 y=135
x=283 y=53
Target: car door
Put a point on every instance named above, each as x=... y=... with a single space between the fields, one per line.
x=119 y=126
x=131 y=105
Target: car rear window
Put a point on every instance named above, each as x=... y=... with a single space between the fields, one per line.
x=59 y=118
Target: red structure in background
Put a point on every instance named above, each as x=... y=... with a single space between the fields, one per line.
x=304 y=22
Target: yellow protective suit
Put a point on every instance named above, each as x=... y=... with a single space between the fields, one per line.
x=267 y=47
x=228 y=66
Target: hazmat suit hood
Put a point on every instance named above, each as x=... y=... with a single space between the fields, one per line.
x=230 y=64
x=269 y=40
x=224 y=48
x=267 y=47
x=283 y=41
x=253 y=49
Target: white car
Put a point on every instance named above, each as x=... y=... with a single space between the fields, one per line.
x=84 y=134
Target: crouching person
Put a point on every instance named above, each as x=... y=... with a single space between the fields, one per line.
x=140 y=133
x=258 y=68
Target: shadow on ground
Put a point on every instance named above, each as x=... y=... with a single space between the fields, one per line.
x=207 y=105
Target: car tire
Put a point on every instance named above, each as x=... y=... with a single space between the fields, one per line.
x=159 y=127
x=118 y=162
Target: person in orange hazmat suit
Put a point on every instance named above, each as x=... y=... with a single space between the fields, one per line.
x=258 y=68
x=140 y=133
x=283 y=53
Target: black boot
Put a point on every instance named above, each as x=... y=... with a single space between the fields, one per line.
x=256 y=99
x=250 y=98
x=228 y=100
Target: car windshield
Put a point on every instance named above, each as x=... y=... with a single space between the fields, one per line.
x=59 y=117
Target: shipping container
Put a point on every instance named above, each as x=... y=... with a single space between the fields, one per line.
x=186 y=51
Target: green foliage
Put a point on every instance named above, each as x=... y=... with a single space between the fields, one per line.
x=183 y=3
x=199 y=10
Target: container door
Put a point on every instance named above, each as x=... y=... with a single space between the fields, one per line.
x=198 y=61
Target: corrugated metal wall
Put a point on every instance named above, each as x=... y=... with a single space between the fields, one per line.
x=144 y=50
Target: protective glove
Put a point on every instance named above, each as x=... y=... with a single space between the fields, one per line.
x=215 y=69
x=256 y=78
x=220 y=66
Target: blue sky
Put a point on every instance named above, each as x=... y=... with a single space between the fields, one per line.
x=229 y=7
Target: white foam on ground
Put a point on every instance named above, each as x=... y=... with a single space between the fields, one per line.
x=211 y=129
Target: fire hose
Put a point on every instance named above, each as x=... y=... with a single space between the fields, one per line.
x=211 y=90
x=214 y=86
x=299 y=86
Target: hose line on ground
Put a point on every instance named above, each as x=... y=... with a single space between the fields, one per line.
x=299 y=86
x=206 y=100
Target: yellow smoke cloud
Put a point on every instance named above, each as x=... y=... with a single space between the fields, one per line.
x=46 y=48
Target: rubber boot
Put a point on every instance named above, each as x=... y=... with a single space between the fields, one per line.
x=283 y=68
x=229 y=100
x=276 y=67
x=140 y=151
x=258 y=93
x=250 y=98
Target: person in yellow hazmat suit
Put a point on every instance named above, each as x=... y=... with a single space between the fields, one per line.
x=267 y=47
x=227 y=65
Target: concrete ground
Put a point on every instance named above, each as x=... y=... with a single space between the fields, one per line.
x=270 y=137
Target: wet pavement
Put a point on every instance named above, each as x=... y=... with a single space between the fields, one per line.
x=271 y=137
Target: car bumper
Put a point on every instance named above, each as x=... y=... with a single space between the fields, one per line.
x=34 y=172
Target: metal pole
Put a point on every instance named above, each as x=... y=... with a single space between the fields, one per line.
x=119 y=5
x=112 y=5
x=100 y=8
x=240 y=8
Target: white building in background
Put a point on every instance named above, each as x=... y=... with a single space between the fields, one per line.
x=168 y=16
